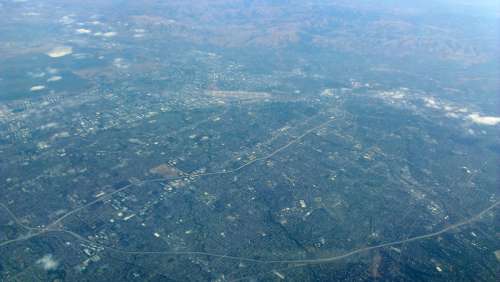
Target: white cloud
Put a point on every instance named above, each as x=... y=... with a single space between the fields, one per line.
x=48 y=262
x=29 y=14
x=120 y=63
x=37 y=88
x=327 y=92
x=83 y=31
x=393 y=95
x=431 y=103
x=106 y=34
x=52 y=70
x=484 y=120
x=54 y=78
x=109 y=34
x=37 y=74
x=60 y=51
x=67 y=20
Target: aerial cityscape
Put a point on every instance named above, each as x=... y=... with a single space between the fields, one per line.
x=249 y=140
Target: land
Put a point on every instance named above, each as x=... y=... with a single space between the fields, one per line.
x=173 y=141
